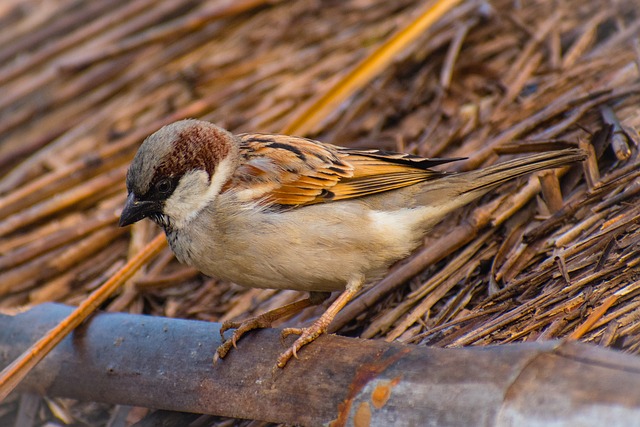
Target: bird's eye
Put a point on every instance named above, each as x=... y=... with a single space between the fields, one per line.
x=164 y=186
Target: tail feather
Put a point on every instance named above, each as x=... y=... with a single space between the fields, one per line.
x=485 y=179
x=453 y=191
x=438 y=197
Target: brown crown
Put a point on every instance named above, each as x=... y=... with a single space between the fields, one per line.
x=197 y=146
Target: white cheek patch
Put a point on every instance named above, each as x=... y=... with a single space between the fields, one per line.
x=223 y=172
x=188 y=198
x=194 y=192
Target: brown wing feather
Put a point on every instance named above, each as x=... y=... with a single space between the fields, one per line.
x=285 y=170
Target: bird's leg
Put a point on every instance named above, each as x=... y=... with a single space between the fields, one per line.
x=264 y=321
x=320 y=326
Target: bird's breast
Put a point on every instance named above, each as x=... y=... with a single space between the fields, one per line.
x=315 y=248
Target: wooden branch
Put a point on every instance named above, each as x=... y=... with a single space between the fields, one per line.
x=167 y=364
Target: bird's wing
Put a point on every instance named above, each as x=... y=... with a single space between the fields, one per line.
x=292 y=171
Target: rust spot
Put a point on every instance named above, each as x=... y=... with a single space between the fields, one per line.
x=382 y=392
x=380 y=395
x=366 y=373
x=362 y=417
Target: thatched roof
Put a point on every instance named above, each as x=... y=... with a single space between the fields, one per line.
x=83 y=83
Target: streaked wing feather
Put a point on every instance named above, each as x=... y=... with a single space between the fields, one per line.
x=291 y=171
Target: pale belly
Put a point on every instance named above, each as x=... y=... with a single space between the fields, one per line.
x=320 y=249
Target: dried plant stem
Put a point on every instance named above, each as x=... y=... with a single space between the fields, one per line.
x=11 y=376
x=368 y=69
x=594 y=317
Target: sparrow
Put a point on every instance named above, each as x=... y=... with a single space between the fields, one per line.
x=284 y=212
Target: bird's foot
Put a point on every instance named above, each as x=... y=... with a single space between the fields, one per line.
x=320 y=326
x=264 y=320
x=241 y=328
x=307 y=335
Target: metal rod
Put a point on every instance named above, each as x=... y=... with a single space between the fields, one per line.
x=167 y=364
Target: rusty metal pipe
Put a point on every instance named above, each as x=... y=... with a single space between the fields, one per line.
x=167 y=364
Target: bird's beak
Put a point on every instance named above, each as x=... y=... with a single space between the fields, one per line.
x=134 y=210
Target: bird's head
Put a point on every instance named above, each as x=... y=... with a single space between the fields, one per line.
x=177 y=172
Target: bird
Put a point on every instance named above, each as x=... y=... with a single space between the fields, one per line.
x=286 y=212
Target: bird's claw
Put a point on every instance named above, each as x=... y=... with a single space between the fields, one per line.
x=307 y=335
x=229 y=325
x=241 y=328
